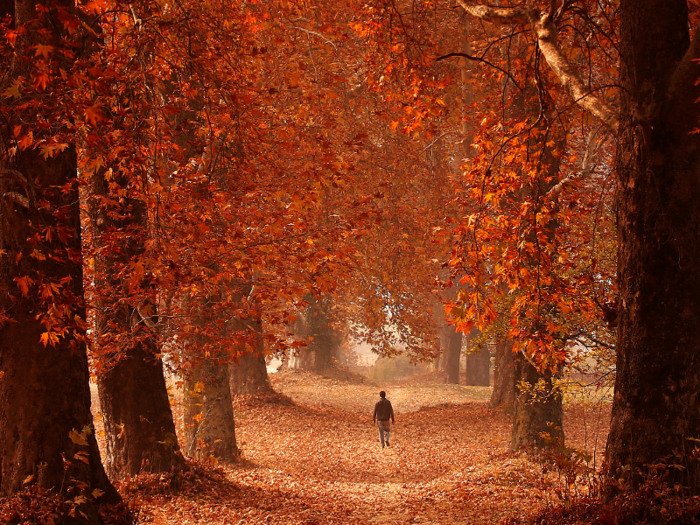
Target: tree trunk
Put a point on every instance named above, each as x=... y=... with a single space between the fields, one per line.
x=478 y=362
x=452 y=344
x=537 y=409
x=139 y=426
x=46 y=431
x=302 y=359
x=656 y=407
x=209 y=424
x=503 y=393
x=323 y=347
x=44 y=390
x=248 y=375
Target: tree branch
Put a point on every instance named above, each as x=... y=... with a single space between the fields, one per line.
x=497 y=15
x=544 y=27
x=479 y=59
x=315 y=33
x=587 y=167
x=546 y=32
x=17 y=198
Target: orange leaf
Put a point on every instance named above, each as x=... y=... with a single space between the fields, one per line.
x=93 y=114
x=43 y=50
x=24 y=283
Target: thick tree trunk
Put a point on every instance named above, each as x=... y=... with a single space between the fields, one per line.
x=478 y=362
x=46 y=431
x=503 y=393
x=451 y=341
x=537 y=410
x=210 y=430
x=139 y=428
x=209 y=424
x=656 y=409
x=248 y=375
x=44 y=390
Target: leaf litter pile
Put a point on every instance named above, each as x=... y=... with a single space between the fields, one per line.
x=311 y=456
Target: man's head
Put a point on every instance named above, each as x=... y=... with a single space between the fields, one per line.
x=382 y=394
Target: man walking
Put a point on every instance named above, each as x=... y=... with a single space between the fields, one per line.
x=383 y=411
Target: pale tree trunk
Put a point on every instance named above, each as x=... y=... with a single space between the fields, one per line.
x=44 y=390
x=537 y=408
x=503 y=393
x=656 y=408
x=209 y=421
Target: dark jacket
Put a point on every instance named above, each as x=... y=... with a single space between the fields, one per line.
x=383 y=410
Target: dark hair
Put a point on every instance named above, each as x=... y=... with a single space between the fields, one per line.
x=382 y=394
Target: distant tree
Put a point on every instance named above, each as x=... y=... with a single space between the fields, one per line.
x=451 y=343
x=248 y=371
x=503 y=393
x=478 y=360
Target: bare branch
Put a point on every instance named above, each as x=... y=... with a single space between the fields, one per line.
x=546 y=33
x=17 y=198
x=479 y=59
x=545 y=29
x=587 y=166
x=497 y=15
x=431 y=144
x=319 y=35
x=146 y=319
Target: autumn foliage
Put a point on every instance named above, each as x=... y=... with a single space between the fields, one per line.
x=190 y=188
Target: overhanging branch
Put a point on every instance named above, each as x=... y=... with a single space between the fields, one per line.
x=544 y=28
x=479 y=59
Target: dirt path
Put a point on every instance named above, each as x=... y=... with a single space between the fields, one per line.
x=318 y=461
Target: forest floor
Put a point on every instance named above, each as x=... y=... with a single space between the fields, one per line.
x=311 y=456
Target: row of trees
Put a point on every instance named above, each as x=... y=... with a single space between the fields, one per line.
x=577 y=215
x=180 y=181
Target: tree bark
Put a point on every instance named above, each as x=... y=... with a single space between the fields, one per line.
x=209 y=422
x=503 y=393
x=248 y=374
x=656 y=407
x=452 y=343
x=139 y=427
x=44 y=391
x=321 y=352
x=478 y=363
x=537 y=408
x=46 y=432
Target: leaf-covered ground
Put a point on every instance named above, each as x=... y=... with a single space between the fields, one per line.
x=317 y=460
